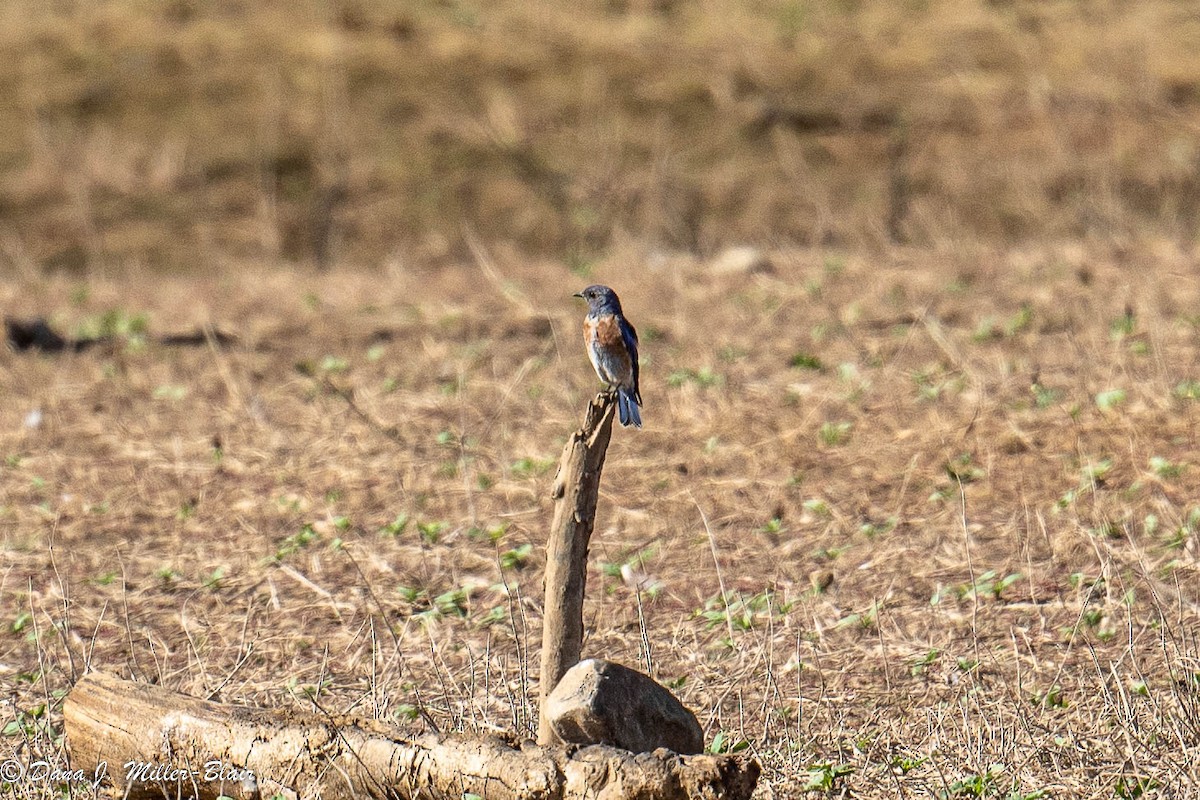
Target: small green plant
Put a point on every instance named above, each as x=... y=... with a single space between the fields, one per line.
x=527 y=467
x=1180 y=537
x=918 y=666
x=1122 y=326
x=731 y=355
x=986 y=583
x=166 y=576
x=517 y=557
x=22 y=620
x=741 y=612
x=998 y=586
x=932 y=383
x=493 y=533
x=855 y=384
x=817 y=506
x=806 y=361
x=1165 y=469
x=773 y=526
x=873 y=529
x=833 y=434
x=30 y=724
x=905 y=764
x=105 y=578
x=432 y=531
x=863 y=619
x=704 y=377
x=1110 y=399
x=1133 y=787
x=826 y=777
x=1043 y=397
x=333 y=364
x=396 y=526
x=169 y=391
x=983 y=784
x=406 y=712
x=988 y=327
x=635 y=561
x=115 y=324
x=296 y=542
x=962 y=469
x=1019 y=321
x=212 y=581
x=725 y=743
x=1051 y=698
x=1187 y=390
x=1094 y=472
x=452 y=603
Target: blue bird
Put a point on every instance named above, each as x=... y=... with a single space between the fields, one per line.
x=612 y=345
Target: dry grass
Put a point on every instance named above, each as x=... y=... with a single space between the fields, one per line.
x=942 y=467
x=940 y=581
x=181 y=134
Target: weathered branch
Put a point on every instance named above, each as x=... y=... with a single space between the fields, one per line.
x=576 y=488
x=258 y=753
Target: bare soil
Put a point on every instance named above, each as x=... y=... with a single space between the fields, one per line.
x=921 y=523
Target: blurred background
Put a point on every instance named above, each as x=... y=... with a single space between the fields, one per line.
x=181 y=135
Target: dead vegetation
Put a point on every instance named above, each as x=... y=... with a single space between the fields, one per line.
x=915 y=509
x=181 y=134
x=910 y=524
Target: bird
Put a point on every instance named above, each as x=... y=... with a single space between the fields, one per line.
x=612 y=346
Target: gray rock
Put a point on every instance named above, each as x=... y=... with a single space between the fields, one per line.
x=599 y=702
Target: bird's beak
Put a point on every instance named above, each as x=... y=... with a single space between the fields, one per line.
x=578 y=294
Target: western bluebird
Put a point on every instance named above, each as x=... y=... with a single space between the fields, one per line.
x=612 y=347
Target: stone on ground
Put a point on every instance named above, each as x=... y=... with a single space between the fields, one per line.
x=599 y=702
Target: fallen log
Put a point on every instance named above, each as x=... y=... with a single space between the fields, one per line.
x=152 y=742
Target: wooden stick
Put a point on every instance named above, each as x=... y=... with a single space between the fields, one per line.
x=576 y=488
x=156 y=743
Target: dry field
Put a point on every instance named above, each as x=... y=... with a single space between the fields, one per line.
x=916 y=524
x=916 y=509
x=182 y=134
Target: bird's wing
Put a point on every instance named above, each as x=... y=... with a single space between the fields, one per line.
x=630 y=337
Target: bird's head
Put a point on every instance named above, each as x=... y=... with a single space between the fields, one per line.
x=600 y=298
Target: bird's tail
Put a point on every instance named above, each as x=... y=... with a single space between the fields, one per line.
x=627 y=409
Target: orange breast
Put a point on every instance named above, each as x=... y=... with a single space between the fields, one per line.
x=608 y=332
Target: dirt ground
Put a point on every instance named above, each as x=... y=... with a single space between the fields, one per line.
x=915 y=511
x=921 y=523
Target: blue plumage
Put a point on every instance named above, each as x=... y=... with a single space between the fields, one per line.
x=612 y=345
